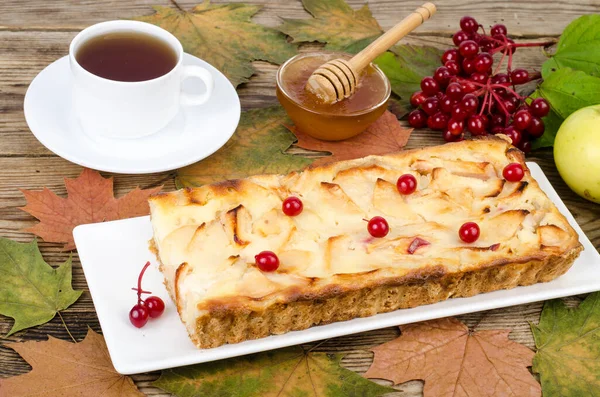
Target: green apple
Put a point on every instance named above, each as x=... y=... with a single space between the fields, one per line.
x=577 y=152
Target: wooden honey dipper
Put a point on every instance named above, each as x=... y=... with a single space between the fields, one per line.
x=337 y=79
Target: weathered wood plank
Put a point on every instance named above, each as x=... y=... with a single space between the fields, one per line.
x=36 y=33
x=531 y=18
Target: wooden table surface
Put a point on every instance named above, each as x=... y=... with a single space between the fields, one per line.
x=34 y=33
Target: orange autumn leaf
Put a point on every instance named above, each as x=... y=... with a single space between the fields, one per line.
x=384 y=136
x=455 y=362
x=90 y=199
x=61 y=368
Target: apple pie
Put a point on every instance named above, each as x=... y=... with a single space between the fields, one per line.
x=330 y=267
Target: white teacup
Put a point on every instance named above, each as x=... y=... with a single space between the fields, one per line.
x=109 y=108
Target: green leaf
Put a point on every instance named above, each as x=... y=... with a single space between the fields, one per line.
x=568 y=343
x=578 y=47
x=334 y=22
x=31 y=291
x=552 y=123
x=405 y=68
x=289 y=372
x=224 y=36
x=568 y=90
x=257 y=147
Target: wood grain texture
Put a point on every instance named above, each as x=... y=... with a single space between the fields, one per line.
x=34 y=33
x=529 y=18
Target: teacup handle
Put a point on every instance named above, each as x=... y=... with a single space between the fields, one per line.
x=206 y=77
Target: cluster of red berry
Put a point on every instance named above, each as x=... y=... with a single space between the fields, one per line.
x=467 y=93
x=152 y=306
x=378 y=227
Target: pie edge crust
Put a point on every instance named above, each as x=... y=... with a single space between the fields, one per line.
x=230 y=321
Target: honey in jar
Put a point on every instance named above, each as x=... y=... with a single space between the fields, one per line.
x=337 y=121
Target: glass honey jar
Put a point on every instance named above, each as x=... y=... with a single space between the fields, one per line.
x=330 y=122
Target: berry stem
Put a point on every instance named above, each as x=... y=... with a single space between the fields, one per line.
x=470 y=81
x=510 y=57
x=502 y=47
x=499 y=100
x=485 y=102
x=139 y=289
x=490 y=105
x=506 y=45
x=499 y=63
x=480 y=91
x=507 y=87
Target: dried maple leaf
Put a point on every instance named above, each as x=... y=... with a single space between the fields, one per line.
x=334 y=22
x=65 y=369
x=90 y=199
x=454 y=362
x=568 y=342
x=385 y=135
x=224 y=36
x=283 y=373
x=31 y=291
x=257 y=147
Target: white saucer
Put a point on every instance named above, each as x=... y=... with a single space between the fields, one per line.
x=195 y=133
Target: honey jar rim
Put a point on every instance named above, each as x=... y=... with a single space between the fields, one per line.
x=297 y=57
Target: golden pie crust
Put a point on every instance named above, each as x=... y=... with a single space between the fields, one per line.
x=331 y=269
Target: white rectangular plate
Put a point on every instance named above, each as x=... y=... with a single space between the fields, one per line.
x=113 y=253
